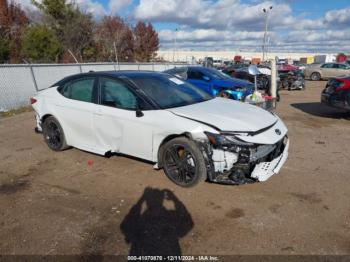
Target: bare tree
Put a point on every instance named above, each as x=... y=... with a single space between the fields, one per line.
x=114 y=39
x=146 y=41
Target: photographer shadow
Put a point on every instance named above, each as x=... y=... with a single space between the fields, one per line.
x=152 y=229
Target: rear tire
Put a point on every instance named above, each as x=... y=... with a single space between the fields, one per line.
x=53 y=134
x=183 y=162
x=315 y=76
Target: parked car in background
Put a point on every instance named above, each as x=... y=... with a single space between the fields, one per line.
x=208 y=62
x=233 y=67
x=214 y=82
x=160 y=118
x=292 y=80
x=286 y=67
x=217 y=63
x=337 y=93
x=325 y=71
x=299 y=65
x=263 y=81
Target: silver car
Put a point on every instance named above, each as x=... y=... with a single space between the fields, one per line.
x=325 y=71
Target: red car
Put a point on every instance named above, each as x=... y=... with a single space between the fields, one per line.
x=287 y=67
x=337 y=93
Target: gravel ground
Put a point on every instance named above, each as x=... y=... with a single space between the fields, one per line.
x=74 y=202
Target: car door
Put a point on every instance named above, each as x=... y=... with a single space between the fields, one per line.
x=327 y=70
x=74 y=111
x=198 y=79
x=117 y=126
x=342 y=69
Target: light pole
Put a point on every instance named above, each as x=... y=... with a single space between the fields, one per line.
x=174 y=45
x=266 y=12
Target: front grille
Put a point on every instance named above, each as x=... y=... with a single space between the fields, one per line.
x=261 y=151
x=266 y=153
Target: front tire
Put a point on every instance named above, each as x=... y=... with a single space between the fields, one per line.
x=53 y=134
x=183 y=162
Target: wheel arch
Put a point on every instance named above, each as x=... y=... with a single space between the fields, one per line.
x=316 y=72
x=49 y=114
x=165 y=140
x=44 y=117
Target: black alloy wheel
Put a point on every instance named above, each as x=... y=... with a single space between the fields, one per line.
x=183 y=162
x=53 y=134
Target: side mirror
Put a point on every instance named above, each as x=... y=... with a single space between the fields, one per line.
x=139 y=113
x=206 y=78
x=253 y=70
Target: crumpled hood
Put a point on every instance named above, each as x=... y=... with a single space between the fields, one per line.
x=227 y=115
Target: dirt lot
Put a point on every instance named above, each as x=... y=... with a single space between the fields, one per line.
x=74 y=202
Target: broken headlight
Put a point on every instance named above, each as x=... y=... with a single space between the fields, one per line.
x=220 y=140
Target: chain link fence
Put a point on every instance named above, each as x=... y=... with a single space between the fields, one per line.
x=19 y=82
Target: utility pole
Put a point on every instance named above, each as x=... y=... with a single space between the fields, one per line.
x=266 y=12
x=174 y=45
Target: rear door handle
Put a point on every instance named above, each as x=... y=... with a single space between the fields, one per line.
x=98 y=112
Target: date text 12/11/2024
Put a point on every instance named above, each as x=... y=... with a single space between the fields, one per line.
x=173 y=258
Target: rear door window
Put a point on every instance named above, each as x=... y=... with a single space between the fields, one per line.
x=340 y=66
x=80 y=89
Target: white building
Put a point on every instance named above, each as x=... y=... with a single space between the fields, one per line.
x=186 y=56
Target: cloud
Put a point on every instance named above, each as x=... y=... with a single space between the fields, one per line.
x=94 y=7
x=220 y=14
x=231 y=24
x=317 y=36
x=90 y=6
x=240 y=24
x=338 y=18
x=203 y=35
x=118 y=5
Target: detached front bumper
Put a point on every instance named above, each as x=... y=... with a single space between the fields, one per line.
x=265 y=170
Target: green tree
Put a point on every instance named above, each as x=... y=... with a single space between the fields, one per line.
x=41 y=45
x=56 y=14
x=4 y=51
x=73 y=28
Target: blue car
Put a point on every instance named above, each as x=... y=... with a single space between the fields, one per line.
x=214 y=82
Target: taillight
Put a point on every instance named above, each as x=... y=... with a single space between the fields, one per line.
x=33 y=100
x=340 y=86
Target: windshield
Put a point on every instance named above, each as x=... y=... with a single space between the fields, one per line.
x=216 y=74
x=168 y=91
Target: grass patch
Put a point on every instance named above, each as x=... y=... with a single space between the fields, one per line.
x=17 y=111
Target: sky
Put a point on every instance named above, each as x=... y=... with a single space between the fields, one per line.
x=318 y=26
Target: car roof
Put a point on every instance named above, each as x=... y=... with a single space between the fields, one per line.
x=127 y=73
x=119 y=73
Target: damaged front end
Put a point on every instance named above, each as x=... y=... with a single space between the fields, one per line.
x=231 y=160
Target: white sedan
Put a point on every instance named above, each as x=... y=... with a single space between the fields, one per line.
x=158 y=117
